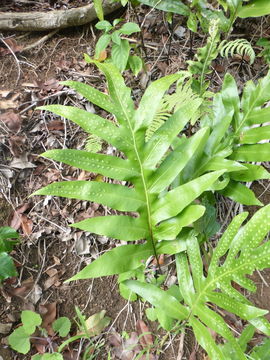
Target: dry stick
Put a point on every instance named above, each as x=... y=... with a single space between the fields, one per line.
x=40 y=41
x=15 y=57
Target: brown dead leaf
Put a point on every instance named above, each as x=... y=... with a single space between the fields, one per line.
x=12 y=43
x=11 y=120
x=23 y=290
x=102 y=55
x=56 y=125
x=49 y=86
x=145 y=336
x=53 y=279
x=193 y=355
x=48 y=314
x=22 y=162
x=27 y=225
x=15 y=222
x=17 y=145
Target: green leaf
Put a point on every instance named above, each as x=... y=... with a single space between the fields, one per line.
x=261 y=352
x=174 y=6
x=252 y=172
x=53 y=356
x=102 y=44
x=62 y=326
x=159 y=143
x=177 y=199
x=129 y=28
x=175 y=162
x=92 y=124
x=103 y=25
x=258 y=152
x=158 y=298
x=254 y=8
x=110 y=166
x=192 y=22
x=115 y=261
x=254 y=135
x=115 y=196
x=258 y=116
x=148 y=108
x=7 y=232
x=119 y=93
x=116 y=37
x=99 y=9
x=205 y=340
x=7 y=267
x=120 y=54
x=95 y=96
x=169 y=229
x=19 y=341
x=30 y=321
x=118 y=227
x=240 y=193
x=135 y=63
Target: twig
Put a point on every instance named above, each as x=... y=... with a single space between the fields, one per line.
x=40 y=41
x=181 y=346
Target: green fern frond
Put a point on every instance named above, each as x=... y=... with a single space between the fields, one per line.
x=148 y=167
x=201 y=66
x=172 y=102
x=240 y=251
x=93 y=144
x=239 y=46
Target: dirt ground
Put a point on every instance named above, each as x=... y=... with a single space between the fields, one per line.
x=50 y=252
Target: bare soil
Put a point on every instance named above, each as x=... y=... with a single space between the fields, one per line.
x=29 y=79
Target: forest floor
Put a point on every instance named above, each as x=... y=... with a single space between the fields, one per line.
x=50 y=251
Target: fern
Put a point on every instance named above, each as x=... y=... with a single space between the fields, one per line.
x=234 y=142
x=204 y=57
x=148 y=167
x=239 y=46
x=93 y=144
x=172 y=102
x=239 y=253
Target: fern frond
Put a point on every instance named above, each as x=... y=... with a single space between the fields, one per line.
x=141 y=166
x=239 y=46
x=93 y=144
x=240 y=251
x=172 y=102
x=201 y=66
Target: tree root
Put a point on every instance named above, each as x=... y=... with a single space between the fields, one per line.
x=56 y=19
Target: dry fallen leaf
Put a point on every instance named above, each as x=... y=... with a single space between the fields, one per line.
x=145 y=336
x=48 y=314
x=96 y=323
x=22 y=162
x=12 y=120
x=12 y=44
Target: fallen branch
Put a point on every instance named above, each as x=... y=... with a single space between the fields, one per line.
x=56 y=19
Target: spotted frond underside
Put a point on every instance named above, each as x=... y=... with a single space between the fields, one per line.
x=240 y=251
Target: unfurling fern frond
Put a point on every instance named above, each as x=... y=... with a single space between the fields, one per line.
x=172 y=102
x=240 y=251
x=237 y=47
x=201 y=66
x=93 y=144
